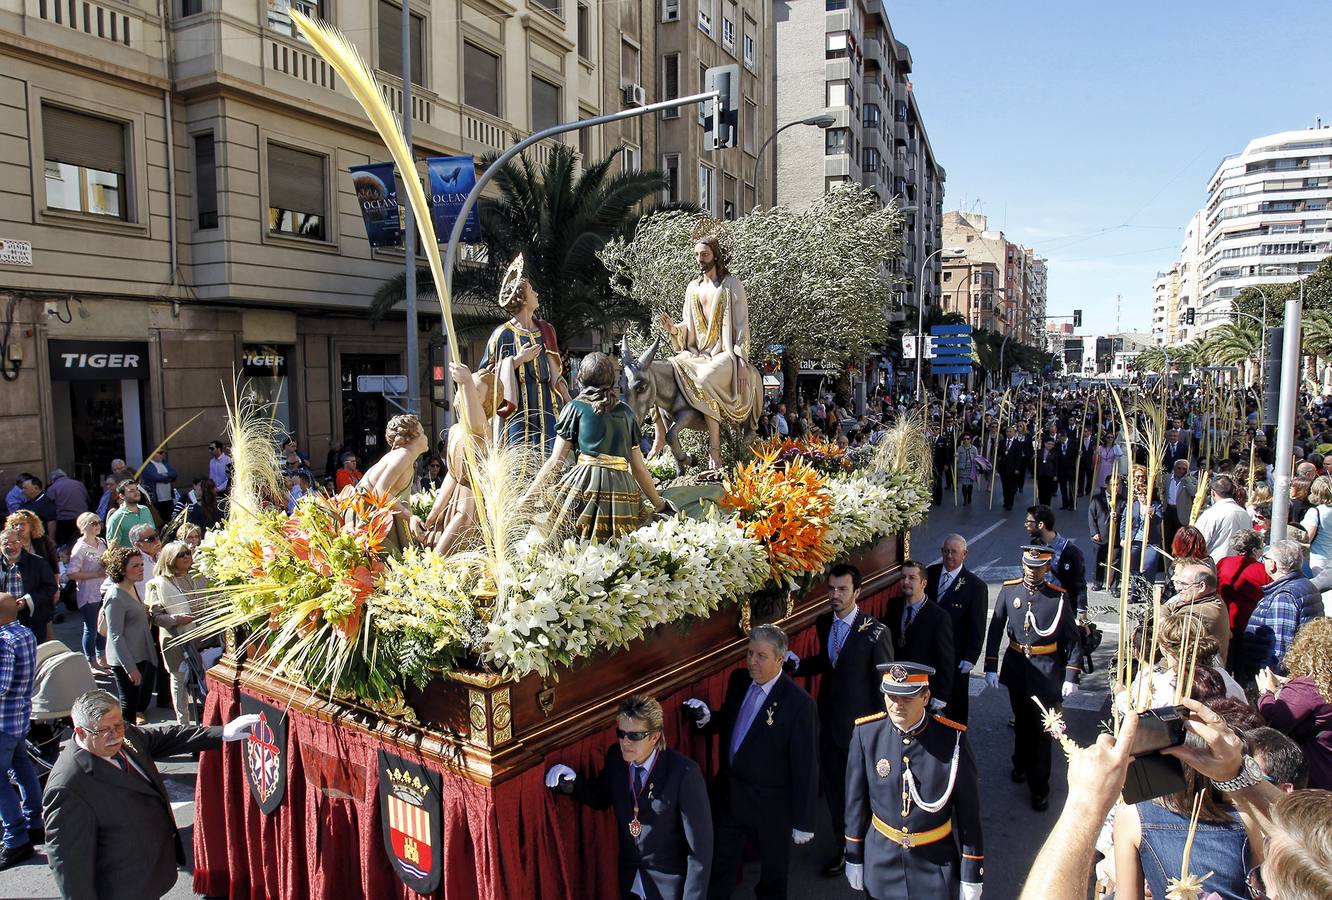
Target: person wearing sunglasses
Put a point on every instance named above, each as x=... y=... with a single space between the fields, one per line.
x=662 y=815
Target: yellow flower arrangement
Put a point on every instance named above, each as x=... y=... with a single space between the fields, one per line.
x=785 y=508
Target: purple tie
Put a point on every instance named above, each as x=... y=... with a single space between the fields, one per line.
x=748 y=710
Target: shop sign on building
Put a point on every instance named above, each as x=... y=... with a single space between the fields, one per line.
x=99 y=360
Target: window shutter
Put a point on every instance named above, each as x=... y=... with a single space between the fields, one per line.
x=82 y=140
x=295 y=180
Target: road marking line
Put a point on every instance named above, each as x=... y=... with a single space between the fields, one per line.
x=972 y=540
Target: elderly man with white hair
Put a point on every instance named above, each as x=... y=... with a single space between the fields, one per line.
x=1289 y=601
x=110 y=830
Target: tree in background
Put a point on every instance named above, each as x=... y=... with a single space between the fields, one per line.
x=558 y=219
x=813 y=278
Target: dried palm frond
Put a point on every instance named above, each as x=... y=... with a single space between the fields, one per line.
x=1052 y=720
x=499 y=475
x=1153 y=437
x=906 y=448
x=1188 y=886
x=1122 y=674
x=1200 y=498
x=256 y=476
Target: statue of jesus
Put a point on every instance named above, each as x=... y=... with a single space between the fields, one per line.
x=711 y=341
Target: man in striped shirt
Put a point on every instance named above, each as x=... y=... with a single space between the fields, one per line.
x=21 y=809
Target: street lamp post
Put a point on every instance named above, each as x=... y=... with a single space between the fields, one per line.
x=822 y=121
x=950 y=253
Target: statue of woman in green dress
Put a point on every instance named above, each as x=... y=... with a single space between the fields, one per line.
x=602 y=495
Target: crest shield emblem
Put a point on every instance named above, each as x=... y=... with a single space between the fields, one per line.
x=265 y=754
x=411 y=813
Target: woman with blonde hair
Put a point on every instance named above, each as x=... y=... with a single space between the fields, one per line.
x=1183 y=644
x=1301 y=705
x=85 y=569
x=36 y=541
x=168 y=598
x=1317 y=523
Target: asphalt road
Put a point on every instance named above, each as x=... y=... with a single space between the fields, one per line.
x=1013 y=831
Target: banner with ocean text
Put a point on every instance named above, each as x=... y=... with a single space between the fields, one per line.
x=451 y=179
x=377 y=195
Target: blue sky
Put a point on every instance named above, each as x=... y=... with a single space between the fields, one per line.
x=1088 y=131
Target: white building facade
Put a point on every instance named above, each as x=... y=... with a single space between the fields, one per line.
x=1266 y=219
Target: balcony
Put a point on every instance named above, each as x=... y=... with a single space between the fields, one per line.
x=423 y=101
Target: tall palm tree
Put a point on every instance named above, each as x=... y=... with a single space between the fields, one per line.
x=558 y=220
x=1232 y=343
x=1318 y=333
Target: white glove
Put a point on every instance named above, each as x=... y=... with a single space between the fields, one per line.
x=791 y=658
x=855 y=876
x=971 y=891
x=696 y=704
x=240 y=727
x=558 y=772
x=992 y=679
x=1069 y=689
x=936 y=704
x=801 y=837
x=965 y=666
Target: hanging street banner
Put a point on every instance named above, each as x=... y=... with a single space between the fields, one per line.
x=952 y=349
x=411 y=813
x=377 y=195
x=451 y=180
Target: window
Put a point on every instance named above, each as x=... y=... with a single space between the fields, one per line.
x=750 y=126
x=85 y=163
x=670 y=10
x=552 y=5
x=750 y=202
x=872 y=159
x=834 y=5
x=706 y=193
x=839 y=93
x=837 y=47
x=670 y=83
x=871 y=115
x=630 y=73
x=545 y=104
x=835 y=141
x=190 y=8
x=279 y=18
x=584 y=31
x=705 y=12
x=481 y=72
x=702 y=86
x=728 y=26
x=729 y=191
x=630 y=159
x=205 y=181
x=749 y=55
x=585 y=138
x=670 y=167
x=296 y=193
x=390 y=41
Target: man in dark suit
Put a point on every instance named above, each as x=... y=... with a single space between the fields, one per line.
x=1070 y=567
x=922 y=631
x=1011 y=463
x=29 y=578
x=1068 y=466
x=1087 y=461
x=962 y=594
x=1176 y=448
x=660 y=803
x=110 y=832
x=765 y=789
x=943 y=462
x=852 y=644
x=1047 y=470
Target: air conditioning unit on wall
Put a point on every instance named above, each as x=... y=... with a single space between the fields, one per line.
x=634 y=95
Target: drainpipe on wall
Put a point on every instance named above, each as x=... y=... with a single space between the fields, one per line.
x=169 y=112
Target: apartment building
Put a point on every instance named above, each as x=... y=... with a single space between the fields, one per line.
x=841 y=57
x=1161 y=297
x=194 y=221
x=1267 y=219
x=1008 y=281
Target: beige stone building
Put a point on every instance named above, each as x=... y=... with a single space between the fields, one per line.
x=178 y=210
x=1010 y=278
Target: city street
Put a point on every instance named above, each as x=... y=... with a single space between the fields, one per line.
x=1010 y=824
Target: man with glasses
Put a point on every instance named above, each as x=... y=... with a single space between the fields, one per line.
x=966 y=598
x=661 y=806
x=219 y=467
x=1195 y=585
x=110 y=829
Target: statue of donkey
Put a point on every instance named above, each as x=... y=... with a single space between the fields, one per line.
x=649 y=384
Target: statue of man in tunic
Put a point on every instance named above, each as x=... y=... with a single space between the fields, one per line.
x=711 y=344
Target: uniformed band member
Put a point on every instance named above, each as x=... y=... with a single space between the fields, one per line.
x=913 y=826
x=661 y=807
x=852 y=644
x=1036 y=622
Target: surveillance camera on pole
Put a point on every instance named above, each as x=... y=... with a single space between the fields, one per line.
x=721 y=117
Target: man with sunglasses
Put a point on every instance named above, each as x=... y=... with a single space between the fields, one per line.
x=110 y=830
x=661 y=806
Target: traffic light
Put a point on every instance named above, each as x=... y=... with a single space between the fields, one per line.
x=1077 y=318
x=721 y=117
x=1275 y=338
x=1189 y=316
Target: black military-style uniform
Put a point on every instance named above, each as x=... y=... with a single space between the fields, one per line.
x=908 y=851
x=1037 y=633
